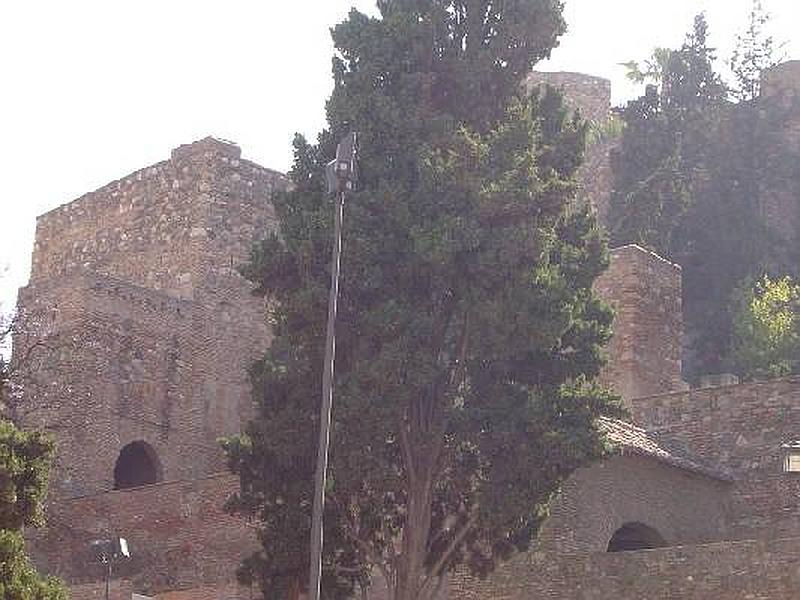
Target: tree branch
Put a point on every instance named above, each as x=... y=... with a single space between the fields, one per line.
x=408 y=457
x=377 y=560
x=449 y=551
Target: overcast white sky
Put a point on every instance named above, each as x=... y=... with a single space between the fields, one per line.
x=95 y=89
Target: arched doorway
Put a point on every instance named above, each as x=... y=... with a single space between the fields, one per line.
x=635 y=536
x=137 y=465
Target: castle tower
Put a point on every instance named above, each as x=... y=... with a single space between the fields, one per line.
x=150 y=331
x=591 y=96
x=645 y=352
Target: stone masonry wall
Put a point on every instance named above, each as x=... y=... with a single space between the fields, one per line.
x=124 y=368
x=596 y=179
x=165 y=227
x=645 y=352
x=747 y=570
x=741 y=428
x=684 y=507
x=180 y=540
x=152 y=327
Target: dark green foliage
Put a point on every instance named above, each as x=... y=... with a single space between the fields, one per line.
x=755 y=51
x=24 y=467
x=18 y=579
x=687 y=179
x=766 y=329
x=666 y=138
x=467 y=325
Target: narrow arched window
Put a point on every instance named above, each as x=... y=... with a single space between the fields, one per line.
x=635 y=536
x=137 y=465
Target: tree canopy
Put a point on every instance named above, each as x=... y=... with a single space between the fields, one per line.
x=689 y=175
x=468 y=330
x=766 y=329
x=754 y=52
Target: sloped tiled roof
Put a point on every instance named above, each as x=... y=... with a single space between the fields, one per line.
x=635 y=440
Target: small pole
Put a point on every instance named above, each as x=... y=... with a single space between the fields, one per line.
x=108 y=577
x=320 y=476
x=341 y=175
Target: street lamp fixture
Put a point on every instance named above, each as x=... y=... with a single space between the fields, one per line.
x=108 y=551
x=341 y=175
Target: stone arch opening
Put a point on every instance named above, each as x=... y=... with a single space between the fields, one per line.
x=635 y=536
x=137 y=465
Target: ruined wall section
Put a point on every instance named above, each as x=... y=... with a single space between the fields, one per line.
x=645 y=352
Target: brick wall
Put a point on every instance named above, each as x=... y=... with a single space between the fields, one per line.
x=645 y=352
x=597 y=500
x=179 y=538
x=118 y=589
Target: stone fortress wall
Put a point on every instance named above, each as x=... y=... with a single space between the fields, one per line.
x=139 y=281
x=645 y=352
x=151 y=331
x=155 y=329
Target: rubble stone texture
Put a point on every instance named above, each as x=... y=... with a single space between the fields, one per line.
x=645 y=351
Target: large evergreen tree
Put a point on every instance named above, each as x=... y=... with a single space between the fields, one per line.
x=467 y=330
x=754 y=52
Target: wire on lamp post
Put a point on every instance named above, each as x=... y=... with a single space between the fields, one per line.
x=341 y=175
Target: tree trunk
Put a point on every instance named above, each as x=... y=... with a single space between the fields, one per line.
x=411 y=572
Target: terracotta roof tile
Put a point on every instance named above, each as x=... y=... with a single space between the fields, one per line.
x=635 y=440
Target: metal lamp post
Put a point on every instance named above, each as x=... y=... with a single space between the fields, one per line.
x=341 y=176
x=108 y=550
